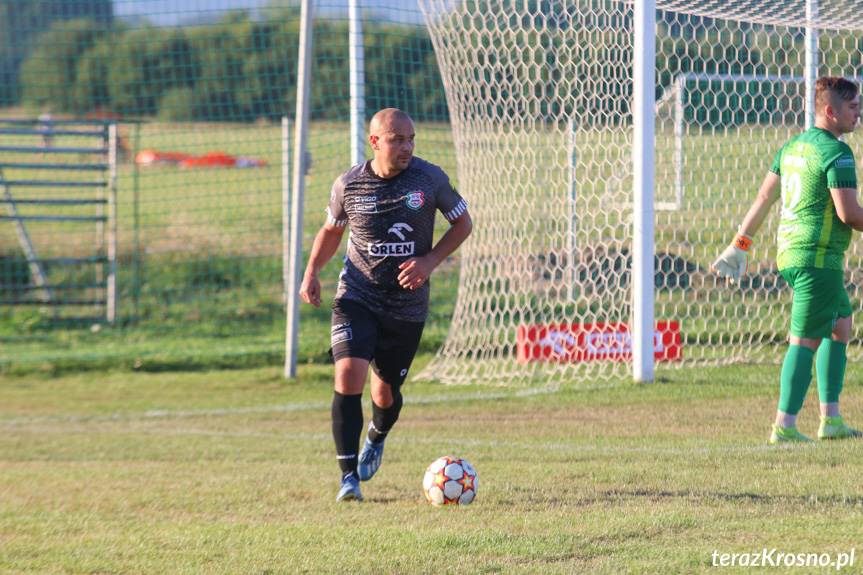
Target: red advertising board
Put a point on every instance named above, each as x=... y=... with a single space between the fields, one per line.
x=593 y=342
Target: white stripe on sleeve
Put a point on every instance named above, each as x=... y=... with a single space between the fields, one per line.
x=334 y=222
x=456 y=211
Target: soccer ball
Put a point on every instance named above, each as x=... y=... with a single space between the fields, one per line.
x=450 y=480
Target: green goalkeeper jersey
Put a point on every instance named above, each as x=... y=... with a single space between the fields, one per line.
x=811 y=235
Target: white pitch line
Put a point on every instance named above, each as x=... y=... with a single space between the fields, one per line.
x=480 y=395
x=494 y=444
x=159 y=414
x=168 y=413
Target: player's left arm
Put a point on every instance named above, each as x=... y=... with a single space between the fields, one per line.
x=416 y=271
x=842 y=180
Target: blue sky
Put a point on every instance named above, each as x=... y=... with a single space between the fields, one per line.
x=173 y=13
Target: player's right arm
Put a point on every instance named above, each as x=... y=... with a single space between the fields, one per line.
x=768 y=194
x=733 y=262
x=847 y=208
x=326 y=243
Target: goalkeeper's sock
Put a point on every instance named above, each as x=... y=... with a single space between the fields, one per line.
x=830 y=409
x=795 y=379
x=830 y=368
x=384 y=418
x=786 y=420
x=347 y=428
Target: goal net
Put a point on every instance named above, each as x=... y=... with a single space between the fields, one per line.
x=539 y=96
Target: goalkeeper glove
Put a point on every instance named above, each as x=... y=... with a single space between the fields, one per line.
x=732 y=263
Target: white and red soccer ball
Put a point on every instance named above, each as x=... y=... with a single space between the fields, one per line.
x=450 y=481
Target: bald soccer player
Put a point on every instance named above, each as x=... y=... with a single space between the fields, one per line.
x=382 y=300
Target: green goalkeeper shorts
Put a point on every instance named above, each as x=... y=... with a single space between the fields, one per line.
x=820 y=298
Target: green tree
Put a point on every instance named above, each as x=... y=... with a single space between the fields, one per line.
x=221 y=51
x=22 y=23
x=430 y=95
x=92 y=83
x=400 y=67
x=49 y=72
x=146 y=64
x=330 y=91
x=270 y=68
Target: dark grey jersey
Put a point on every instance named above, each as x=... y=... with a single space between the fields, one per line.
x=391 y=220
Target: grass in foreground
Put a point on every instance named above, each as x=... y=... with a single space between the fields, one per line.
x=234 y=472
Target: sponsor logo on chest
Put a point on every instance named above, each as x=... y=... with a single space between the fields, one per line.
x=403 y=248
x=365 y=204
x=391 y=249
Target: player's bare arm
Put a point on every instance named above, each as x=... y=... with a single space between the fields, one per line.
x=768 y=194
x=733 y=262
x=847 y=207
x=416 y=271
x=326 y=243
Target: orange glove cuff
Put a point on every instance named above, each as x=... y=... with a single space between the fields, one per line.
x=742 y=242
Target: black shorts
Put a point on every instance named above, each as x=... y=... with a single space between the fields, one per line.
x=389 y=344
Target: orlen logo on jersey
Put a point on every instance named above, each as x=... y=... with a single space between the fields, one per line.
x=415 y=200
x=396 y=249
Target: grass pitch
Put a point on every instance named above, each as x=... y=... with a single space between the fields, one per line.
x=234 y=472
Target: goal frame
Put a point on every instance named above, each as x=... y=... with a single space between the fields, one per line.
x=643 y=150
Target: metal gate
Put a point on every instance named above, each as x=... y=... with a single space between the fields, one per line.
x=58 y=190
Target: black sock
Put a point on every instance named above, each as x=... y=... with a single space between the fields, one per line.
x=384 y=419
x=347 y=429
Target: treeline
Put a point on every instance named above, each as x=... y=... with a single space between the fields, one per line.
x=237 y=69
x=243 y=69
x=22 y=22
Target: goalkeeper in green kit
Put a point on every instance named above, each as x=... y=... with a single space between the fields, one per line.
x=814 y=176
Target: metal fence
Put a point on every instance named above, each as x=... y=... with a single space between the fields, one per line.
x=183 y=260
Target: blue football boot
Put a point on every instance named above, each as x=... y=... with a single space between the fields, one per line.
x=350 y=488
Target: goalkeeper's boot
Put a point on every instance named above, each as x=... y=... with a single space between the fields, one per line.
x=370 y=459
x=350 y=488
x=835 y=428
x=787 y=435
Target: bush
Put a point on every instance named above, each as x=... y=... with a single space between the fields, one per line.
x=178 y=105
